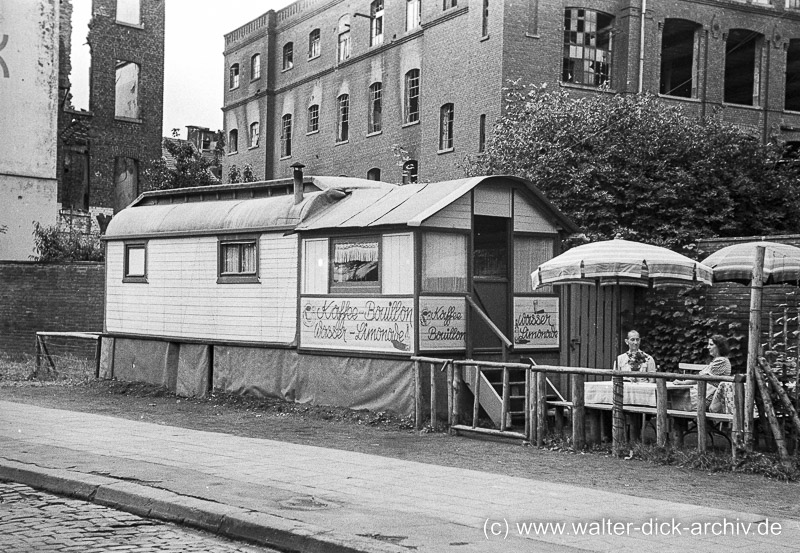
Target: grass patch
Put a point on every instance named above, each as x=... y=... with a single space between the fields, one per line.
x=21 y=371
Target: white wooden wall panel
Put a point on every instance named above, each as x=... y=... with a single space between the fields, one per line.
x=315 y=266
x=493 y=200
x=529 y=219
x=397 y=265
x=456 y=215
x=182 y=297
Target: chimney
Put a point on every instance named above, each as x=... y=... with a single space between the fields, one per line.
x=297 y=177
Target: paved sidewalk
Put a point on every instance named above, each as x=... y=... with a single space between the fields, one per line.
x=307 y=498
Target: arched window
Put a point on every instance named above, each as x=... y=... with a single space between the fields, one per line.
x=343 y=118
x=254 y=134
x=234 y=78
x=374 y=115
x=233 y=141
x=288 y=56
x=792 y=96
x=587 y=47
x=411 y=103
x=255 y=67
x=313 y=119
x=286 y=135
x=313 y=44
x=374 y=174
x=446 y=117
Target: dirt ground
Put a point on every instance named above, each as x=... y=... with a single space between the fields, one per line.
x=390 y=436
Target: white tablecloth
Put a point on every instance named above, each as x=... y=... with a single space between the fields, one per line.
x=638 y=393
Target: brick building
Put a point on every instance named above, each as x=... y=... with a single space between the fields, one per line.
x=362 y=88
x=102 y=150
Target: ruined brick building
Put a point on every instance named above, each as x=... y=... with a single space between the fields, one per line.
x=404 y=89
x=103 y=147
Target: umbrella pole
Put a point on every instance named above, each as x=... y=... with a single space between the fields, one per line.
x=754 y=337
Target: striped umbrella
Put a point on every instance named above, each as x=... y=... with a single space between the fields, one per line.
x=735 y=263
x=621 y=262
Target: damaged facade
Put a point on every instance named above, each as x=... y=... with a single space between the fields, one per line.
x=403 y=91
x=103 y=146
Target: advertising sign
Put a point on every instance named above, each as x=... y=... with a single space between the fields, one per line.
x=357 y=324
x=536 y=324
x=442 y=323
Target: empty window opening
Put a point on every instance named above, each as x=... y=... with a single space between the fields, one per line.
x=376 y=23
x=482 y=134
x=374 y=174
x=792 y=98
x=446 y=117
x=313 y=44
x=742 y=67
x=490 y=241
x=679 y=52
x=288 y=56
x=343 y=118
x=286 y=135
x=127 y=90
x=80 y=57
x=587 y=47
x=313 y=119
x=75 y=179
x=126 y=181
x=411 y=104
x=374 y=124
x=128 y=11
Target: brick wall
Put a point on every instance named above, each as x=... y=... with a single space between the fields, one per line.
x=48 y=297
x=459 y=65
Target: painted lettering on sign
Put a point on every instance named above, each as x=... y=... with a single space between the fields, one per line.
x=3 y=43
x=536 y=323
x=357 y=324
x=442 y=323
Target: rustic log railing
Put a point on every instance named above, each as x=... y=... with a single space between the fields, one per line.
x=537 y=403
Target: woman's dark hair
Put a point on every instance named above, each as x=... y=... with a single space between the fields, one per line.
x=722 y=344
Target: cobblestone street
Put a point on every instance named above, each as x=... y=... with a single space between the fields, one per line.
x=33 y=521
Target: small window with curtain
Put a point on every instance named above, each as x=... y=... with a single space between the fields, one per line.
x=238 y=259
x=254 y=134
x=135 y=269
x=444 y=262
x=374 y=115
x=313 y=44
x=286 y=135
x=343 y=118
x=255 y=67
x=446 y=118
x=355 y=265
x=288 y=56
x=234 y=76
x=376 y=23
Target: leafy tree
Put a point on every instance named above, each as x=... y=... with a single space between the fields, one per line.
x=633 y=166
x=191 y=168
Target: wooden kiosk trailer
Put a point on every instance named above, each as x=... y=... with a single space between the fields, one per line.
x=320 y=289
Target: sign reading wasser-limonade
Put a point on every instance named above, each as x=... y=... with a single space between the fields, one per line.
x=535 y=323
x=359 y=324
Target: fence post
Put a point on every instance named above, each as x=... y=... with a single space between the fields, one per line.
x=433 y=396
x=737 y=441
x=418 y=394
x=541 y=408
x=504 y=400
x=476 y=389
x=617 y=416
x=458 y=387
x=578 y=414
x=702 y=436
x=661 y=412
x=533 y=408
x=450 y=394
x=38 y=355
x=528 y=406
x=97 y=353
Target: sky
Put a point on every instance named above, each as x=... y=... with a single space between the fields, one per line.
x=194 y=72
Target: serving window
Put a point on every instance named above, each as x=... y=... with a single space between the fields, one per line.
x=444 y=262
x=238 y=260
x=355 y=265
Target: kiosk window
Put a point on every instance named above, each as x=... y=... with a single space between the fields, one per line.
x=444 y=262
x=355 y=265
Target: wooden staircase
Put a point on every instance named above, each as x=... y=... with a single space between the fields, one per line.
x=491 y=395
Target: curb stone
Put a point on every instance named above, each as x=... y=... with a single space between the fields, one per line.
x=225 y=520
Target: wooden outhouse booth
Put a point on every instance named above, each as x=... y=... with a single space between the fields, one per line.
x=320 y=289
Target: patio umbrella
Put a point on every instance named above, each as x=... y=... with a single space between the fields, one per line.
x=621 y=262
x=755 y=263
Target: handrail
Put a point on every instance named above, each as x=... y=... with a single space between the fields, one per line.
x=497 y=332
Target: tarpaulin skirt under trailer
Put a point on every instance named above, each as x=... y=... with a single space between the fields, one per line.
x=377 y=384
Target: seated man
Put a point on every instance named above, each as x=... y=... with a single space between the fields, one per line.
x=635 y=359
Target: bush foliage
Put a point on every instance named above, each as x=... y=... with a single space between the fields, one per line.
x=53 y=244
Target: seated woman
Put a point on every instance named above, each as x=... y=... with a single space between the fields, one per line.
x=720 y=366
x=635 y=359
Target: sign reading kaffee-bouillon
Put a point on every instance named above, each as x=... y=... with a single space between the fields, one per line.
x=442 y=323
x=357 y=324
x=536 y=323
